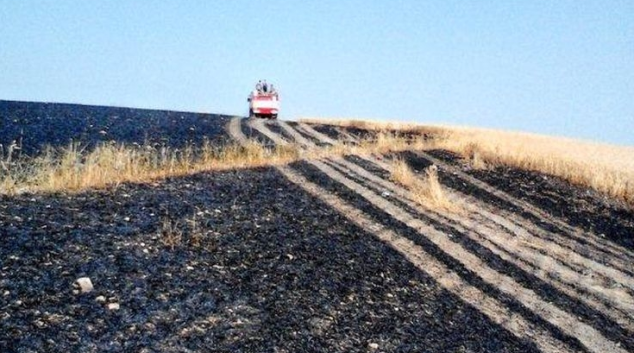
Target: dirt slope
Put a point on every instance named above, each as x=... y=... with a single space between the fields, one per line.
x=321 y=255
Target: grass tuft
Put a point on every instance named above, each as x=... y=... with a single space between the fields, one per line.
x=170 y=233
x=425 y=190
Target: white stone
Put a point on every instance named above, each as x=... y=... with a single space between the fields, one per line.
x=373 y=345
x=85 y=284
x=100 y=299
x=113 y=306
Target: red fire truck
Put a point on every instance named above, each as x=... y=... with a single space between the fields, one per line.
x=263 y=104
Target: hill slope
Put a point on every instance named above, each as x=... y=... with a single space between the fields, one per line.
x=327 y=253
x=36 y=125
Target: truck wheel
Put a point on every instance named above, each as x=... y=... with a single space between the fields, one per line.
x=274 y=116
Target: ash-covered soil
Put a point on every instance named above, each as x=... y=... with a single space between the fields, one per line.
x=32 y=126
x=261 y=267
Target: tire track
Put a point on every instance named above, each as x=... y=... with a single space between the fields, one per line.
x=487 y=305
x=507 y=246
x=296 y=135
x=555 y=249
x=560 y=252
x=613 y=302
x=615 y=251
x=612 y=264
x=576 y=233
x=348 y=136
x=522 y=234
x=511 y=220
x=590 y=337
x=318 y=135
x=234 y=129
x=618 y=296
x=259 y=125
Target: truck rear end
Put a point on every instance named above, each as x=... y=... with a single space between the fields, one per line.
x=264 y=106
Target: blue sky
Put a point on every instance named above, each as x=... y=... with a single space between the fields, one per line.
x=556 y=67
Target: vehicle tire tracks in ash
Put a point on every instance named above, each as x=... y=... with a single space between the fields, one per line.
x=515 y=241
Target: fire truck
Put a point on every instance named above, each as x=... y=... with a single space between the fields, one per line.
x=263 y=104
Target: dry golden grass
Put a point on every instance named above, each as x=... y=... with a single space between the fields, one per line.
x=364 y=124
x=605 y=168
x=72 y=169
x=425 y=190
x=382 y=143
x=398 y=128
x=170 y=233
x=176 y=232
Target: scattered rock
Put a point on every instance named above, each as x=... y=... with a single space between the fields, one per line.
x=373 y=345
x=100 y=299
x=85 y=284
x=113 y=306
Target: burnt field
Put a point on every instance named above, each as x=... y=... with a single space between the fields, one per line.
x=323 y=255
x=267 y=268
x=33 y=126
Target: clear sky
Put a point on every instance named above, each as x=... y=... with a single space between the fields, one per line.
x=561 y=67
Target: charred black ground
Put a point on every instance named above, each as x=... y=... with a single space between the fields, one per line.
x=35 y=125
x=274 y=270
x=246 y=261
